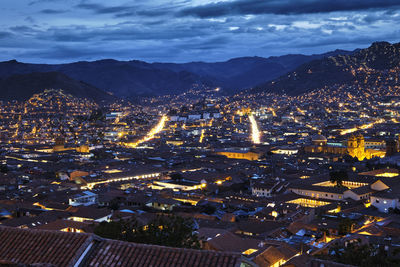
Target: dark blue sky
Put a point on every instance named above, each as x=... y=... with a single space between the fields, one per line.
x=54 y=31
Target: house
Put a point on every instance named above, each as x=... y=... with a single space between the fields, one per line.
x=264 y=189
x=258 y=228
x=318 y=192
x=359 y=193
x=239 y=154
x=387 y=197
x=263 y=253
x=161 y=203
x=86 y=198
x=86 y=213
x=67 y=226
x=33 y=221
x=386 y=200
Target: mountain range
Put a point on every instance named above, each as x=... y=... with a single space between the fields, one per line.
x=97 y=79
x=375 y=69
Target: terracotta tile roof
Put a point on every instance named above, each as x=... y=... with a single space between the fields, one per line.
x=269 y=257
x=58 y=225
x=43 y=218
x=27 y=246
x=89 y=212
x=55 y=248
x=113 y=253
x=231 y=242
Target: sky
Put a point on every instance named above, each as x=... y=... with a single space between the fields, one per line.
x=58 y=31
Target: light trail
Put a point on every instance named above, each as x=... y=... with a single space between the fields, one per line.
x=23 y=159
x=273 y=112
x=362 y=127
x=255 y=133
x=121 y=179
x=201 y=136
x=300 y=111
x=150 y=135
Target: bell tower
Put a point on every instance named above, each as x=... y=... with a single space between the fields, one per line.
x=391 y=147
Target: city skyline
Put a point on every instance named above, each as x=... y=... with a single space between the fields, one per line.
x=286 y=155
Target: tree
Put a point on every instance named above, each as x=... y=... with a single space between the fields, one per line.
x=360 y=255
x=338 y=177
x=172 y=231
x=3 y=168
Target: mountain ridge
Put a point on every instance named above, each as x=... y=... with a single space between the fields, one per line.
x=22 y=86
x=138 y=78
x=337 y=70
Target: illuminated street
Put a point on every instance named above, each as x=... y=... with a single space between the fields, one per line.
x=255 y=133
x=150 y=135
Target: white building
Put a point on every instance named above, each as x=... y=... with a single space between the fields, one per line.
x=86 y=198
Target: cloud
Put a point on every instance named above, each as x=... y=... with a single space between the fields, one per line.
x=52 y=11
x=183 y=30
x=120 y=11
x=283 y=7
x=101 y=9
x=5 y=35
x=37 y=2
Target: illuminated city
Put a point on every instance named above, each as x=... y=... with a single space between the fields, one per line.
x=200 y=133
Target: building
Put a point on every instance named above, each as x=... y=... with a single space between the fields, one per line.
x=239 y=154
x=86 y=198
x=355 y=147
x=260 y=189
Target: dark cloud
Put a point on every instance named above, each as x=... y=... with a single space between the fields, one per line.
x=21 y=29
x=35 y=2
x=101 y=9
x=120 y=11
x=284 y=7
x=5 y=35
x=52 y=11
x=120 y=33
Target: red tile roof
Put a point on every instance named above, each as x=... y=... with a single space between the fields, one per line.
x=113 y=253
x=27 y=246
x=34 y=246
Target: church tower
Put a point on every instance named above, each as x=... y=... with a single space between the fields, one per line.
x=351 y=145
x=356 y=147
x=59 y=144
x=360 y=141
x=391 y=147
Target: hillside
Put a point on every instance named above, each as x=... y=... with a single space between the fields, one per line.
x=22 y=86
x=374 y=69
x=138 y=78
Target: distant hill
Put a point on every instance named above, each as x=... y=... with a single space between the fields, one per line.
x=374 y=69
x=138 y=78
x=246 y=72
x=23 y=86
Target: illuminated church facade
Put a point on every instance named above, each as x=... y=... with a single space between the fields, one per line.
x=355 y=147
